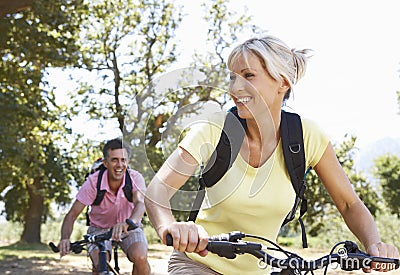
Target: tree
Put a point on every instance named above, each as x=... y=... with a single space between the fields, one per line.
x=35 y=166
x=7 y=7
x=387 y=170
x=125 y=45
x=136 y=93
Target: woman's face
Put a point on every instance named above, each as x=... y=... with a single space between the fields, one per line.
x=252 y=89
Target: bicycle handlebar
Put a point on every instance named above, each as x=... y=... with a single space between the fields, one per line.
x=77 y=246
x=349 y=257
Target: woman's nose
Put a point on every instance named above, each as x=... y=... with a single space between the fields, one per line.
x=237 y=84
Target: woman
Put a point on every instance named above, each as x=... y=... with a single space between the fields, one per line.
x=256 y=194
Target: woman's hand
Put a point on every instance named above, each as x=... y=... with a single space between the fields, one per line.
x=384 y=250
x=187 y=236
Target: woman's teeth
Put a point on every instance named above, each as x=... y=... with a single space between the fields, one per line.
x=243 y=99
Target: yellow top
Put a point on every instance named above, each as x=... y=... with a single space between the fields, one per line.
x=252 y=200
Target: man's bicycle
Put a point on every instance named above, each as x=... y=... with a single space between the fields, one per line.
x=348 y=256
x=104 y=266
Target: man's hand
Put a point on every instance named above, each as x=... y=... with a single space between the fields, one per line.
x=118 y=229
x=64 y=247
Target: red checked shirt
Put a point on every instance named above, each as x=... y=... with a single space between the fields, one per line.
x=114 y=208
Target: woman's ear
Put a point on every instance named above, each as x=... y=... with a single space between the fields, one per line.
x=285 y=86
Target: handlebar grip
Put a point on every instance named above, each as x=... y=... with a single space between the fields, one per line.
x=170 y=240
x=54 y=247
x=132 y=225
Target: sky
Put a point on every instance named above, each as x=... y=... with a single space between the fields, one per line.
x=351 y=80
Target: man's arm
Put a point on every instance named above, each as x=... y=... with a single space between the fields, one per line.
x=139 y=209
x=68 y=225
x=136 y=215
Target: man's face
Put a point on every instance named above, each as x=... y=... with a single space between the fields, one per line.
x=116 y=163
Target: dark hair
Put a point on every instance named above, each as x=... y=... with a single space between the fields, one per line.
x=113 y=144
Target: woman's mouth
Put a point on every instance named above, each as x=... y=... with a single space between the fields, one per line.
x=243 y=100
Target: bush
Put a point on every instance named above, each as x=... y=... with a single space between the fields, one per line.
x=388 y=227
x=10 y=232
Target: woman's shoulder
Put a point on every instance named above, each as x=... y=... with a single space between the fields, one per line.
x=315 y=140
x=206 y=123
x=310 y=125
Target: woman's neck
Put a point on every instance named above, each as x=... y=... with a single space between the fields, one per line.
x=262 y=137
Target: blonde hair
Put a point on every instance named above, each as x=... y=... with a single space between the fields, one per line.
x=276 y=57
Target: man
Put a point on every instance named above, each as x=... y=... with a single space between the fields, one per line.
x=113 y=210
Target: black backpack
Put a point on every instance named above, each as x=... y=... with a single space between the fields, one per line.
x=228 y=148
x=100 y=193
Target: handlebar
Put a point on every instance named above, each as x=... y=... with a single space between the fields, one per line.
x=348 y=256
x=77 y=246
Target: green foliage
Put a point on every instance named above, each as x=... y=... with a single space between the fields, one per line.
x=387 y=171
x=388 y=227
x=35 y=166
x=125 y=44
x=128 y=45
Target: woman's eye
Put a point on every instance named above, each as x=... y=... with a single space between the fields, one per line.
x=232 y=77
x=247 y=75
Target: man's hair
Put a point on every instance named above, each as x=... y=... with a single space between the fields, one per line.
x=113 y=144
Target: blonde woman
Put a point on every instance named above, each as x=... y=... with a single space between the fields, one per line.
x=256 y=194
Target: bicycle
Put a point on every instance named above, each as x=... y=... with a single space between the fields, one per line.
x=104 y=265
x=349 y=257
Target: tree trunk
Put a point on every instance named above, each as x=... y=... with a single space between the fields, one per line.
x=33 y=217
x=7 y=6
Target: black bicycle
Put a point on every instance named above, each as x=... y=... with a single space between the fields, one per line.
x=348 y=256
x=104 y=265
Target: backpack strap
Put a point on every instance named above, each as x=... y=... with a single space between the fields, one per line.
x=227 y=149
x=128 y=186
x=221 y=160
x=293 y=150
x=99 y=193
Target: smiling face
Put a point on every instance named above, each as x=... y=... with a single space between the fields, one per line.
x=253 y=90
x=116 y=164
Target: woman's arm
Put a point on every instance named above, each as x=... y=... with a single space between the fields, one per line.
x=355 y=213
x=172 y=175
